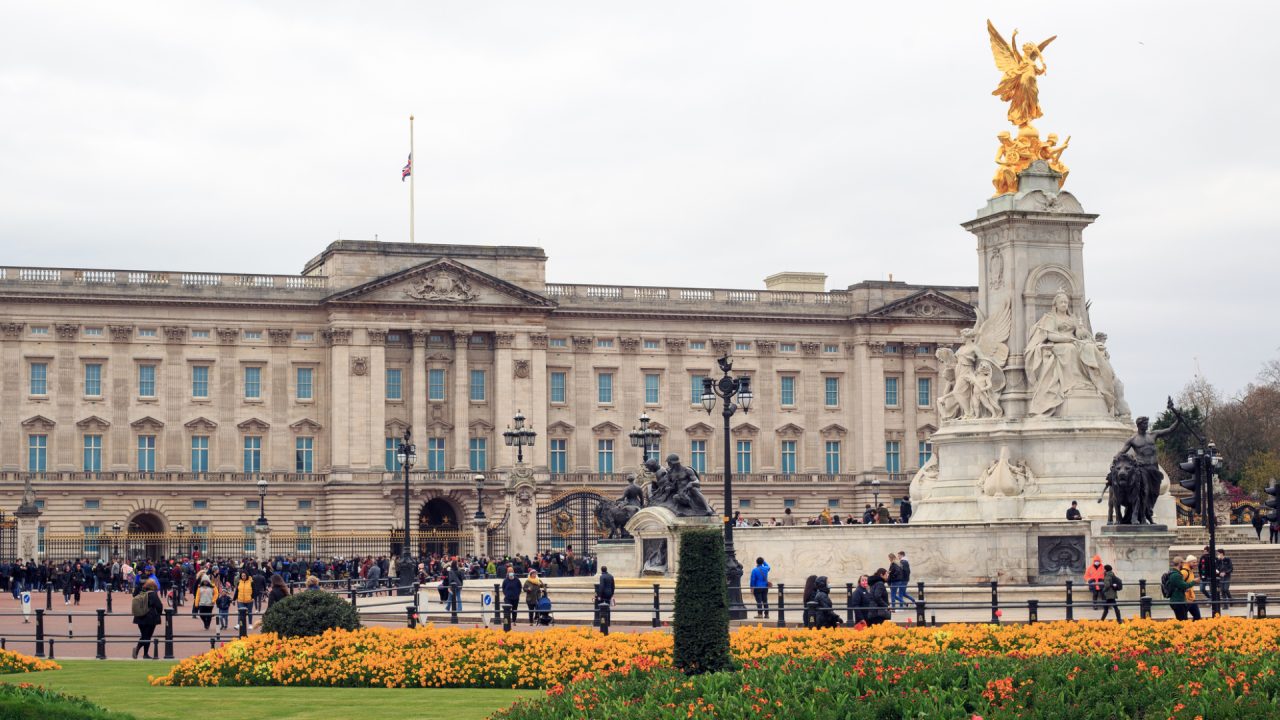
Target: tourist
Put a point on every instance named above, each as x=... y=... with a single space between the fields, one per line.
x=904 y=510
x=806 y=596
x=244 y=595
x=1073 y=512
x=1111 y=585
x=223 y=602
x=373 y=576
x=788 y=520
x=879 y=610
x=824 y=616
x=1093 y=579
x=146 y=615
x=1258 y=522
x=204 y=599
x=1275 y=531
x=1182 y=596
x=894 y=580
x=279 y=590
x=861 y=601
x=313 y=583
x=902 y=595
x=1225 y=568
x=1203 y=568
x=868 y=515
x=544 y=608
x=511 y=589
x=882 y=515
x=533 y=587
x=760 y=587
x=454 y=581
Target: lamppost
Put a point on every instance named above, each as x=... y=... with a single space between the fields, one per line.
x=875 y=497
x=262 y=501
x=644 y=437
x=727 y=388
x=519 y=437
x=115 y=539
x=181 y=528
x=406 y=455
x=479 y=480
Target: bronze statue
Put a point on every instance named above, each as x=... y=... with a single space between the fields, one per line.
x=685 y=490
x=613 y=516
x=1145 y=481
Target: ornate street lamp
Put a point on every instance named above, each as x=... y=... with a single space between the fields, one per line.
x=181 y=528
x=875 y=497
x=115 y=539
x=406 y=455
x=262 y=501
x=519 y=437
x=479 y=480
x=644 y=437
x=727 y=388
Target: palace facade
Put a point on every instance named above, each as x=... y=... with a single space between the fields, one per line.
x=151 y=398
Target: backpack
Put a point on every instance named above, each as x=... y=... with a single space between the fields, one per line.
x=141 y=604
x=204 y=596
x=1116 y=583
x=1166 y=589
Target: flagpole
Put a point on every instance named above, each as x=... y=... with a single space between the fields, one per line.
x=411 y=175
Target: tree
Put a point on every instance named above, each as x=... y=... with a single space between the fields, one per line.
x=701 y=622
x=1173 y=448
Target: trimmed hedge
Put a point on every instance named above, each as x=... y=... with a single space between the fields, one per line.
x=701 y=622
x=310 y=612
x=32 y=702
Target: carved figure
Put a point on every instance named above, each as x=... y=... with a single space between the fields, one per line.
x=1062 y=357
x=985 y=350
x=1006 y=478
x=1146 y=470
x=1012 y=158
x=922 y=482
x=1051 y=152
x=985 y=394
x=682 y=482
x=1019 y=70
x=655 y=557
x=1118 y=406
x=28 y=495
x=1123 y=490
x=660 y=487
x=613 y=516
x=443 y=286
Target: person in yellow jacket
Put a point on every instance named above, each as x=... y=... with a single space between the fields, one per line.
x=1189 y=597
x=204 y=600
x=244 y=595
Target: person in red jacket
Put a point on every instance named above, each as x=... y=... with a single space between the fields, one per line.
x=1093 y=576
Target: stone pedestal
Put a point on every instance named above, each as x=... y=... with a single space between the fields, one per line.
x=619 y=556
x=522 y=526
x=28 y=518
x=262 y=538
x=1133 y=552
x=480 y=526
x=657 y=530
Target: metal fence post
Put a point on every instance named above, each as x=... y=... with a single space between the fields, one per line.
x=848 y=603
x=1146 y=608
x=411 y=611
x=244 y=622
x=102 y=634
x=168 y=633
x=39 y=632
x=1142 y=588
x=603 y=609
x=1071 y=603
x=497 y=606
x=354 y=604
x=454 y=602
x=920 y=590
x=508 y=611
x=657 y=609
x=51 y=642
x=1260 y=602
x=782 y=605
x=1033 y=611
x=995 y=601
x=109 y=593
x=48 y=595
x=920 y=611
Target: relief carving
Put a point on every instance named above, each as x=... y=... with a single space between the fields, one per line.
x=582 y=343
x=629 y=344
x=811 y=348
x=337 y=336
x=722 y=346
x=66 y=331
x=120 y=333
x=538 y=340
x=227 y=336
x=360 y=365
x=442 y=286
x=377 y=336
x=279 y=336
x=504 y=339
x=676 y=345
x=175 y=334
x=13 y=330
x=766 y=347
x=520 y=368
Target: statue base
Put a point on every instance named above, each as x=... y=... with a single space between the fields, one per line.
x=619 y=555
x=656 y=530
x=1135 y=551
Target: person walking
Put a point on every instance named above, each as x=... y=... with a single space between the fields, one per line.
x=511 y=590
x=895 y=582
x=147 y=608
x=533 y=587
x=1203 y=568
x=1111 y=586
x=1093 y=579
x=223 y=602
x=905 y=581
x=861 y=601
x=877 y=587
x=1258 y=523
x=245 y=595
x=760 y=587
x=1182 y=594
x=204 y=600
x=279 y=590
x=455 y=588
x=1225 y=568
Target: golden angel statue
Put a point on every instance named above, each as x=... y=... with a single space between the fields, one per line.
x=1018 y=86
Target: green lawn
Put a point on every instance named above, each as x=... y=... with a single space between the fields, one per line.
x=122 y=685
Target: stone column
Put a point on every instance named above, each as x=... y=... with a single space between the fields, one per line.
x=262 y=537
x=910 y=455
x=537 y=456
x=417 y=386
x=520 y=494
x=504 y=396
x=461 y=399
x=340 y=389
x=28 y=517
x=373 y=430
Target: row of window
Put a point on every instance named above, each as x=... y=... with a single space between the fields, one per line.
x=786 y=389
x=477 y=455
x=93 y=331
x=38 y=453
x=743 y=455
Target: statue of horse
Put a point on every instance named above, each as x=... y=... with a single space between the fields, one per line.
x=613 y=516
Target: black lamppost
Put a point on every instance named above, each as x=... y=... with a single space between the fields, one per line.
x=479 y=480
x=875 y=496
x=727 y=388
x=181 y=527
x=115 y=539
x=406 y=455
x=644 y=437
x=262 y=501
x=519 y=437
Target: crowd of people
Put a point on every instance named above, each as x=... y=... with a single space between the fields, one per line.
x=875 y=597
x=879 y=515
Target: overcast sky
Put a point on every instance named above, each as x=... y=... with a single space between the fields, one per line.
x=673 y=143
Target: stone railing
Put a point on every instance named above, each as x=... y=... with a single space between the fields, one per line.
x=639 y=294
x=157 y=279
x=12 y=476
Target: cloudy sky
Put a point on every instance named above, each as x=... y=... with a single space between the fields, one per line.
x=675 y=143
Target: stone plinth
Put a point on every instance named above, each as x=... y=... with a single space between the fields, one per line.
x=658 y=527
x=28 y=517
x=262 y=544
x=1135 y=552
x=619 y=556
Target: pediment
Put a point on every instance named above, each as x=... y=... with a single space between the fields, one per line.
x=93 y=422
x=559 y=428
x=663 y=429
x=200 y=423
x=790 y=430
x=253 y=425
x=746 y=430
x=439 y=428
x=443 y=282
x=305 y=425
x=606 y=428
x=146 y=423
x=834 y=430
x=923 y=306
x=699 y=430
x=38 y=422
x=395 y=427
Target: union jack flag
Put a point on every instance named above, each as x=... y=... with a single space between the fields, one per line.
x=408 y=168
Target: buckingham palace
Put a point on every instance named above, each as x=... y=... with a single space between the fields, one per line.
x=153 y=400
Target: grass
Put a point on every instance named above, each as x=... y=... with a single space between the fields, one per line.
x=122 y=686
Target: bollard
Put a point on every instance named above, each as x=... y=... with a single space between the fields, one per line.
x=920 y=611
x=657 y=617
x=102 y=634
x=453 y=605
x=920 y=591
x=506 y=617
x=933 y=620
x=782 y=606
x=48 y=596
x=2 y=644
x=109 y=599
x=244 y=622
x=168 y=633
x=1261 y=602
x=848 y=603
x=51 y=642
x=1071 y=608
x=1142 y=588
x=603 y=610
x=497 y=606
x=39 y=632
x=1146 y=608
x=810 y=614
x=995 y=601
x=155 y=648
x=412 y=612
x=1033 y=611
x=354 y=604
x=71 y=631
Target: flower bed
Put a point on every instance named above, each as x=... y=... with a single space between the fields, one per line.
x=32 y=702
x=14 y=662
x=448 y=657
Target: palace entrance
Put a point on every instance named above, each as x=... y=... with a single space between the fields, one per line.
x=439 y=532
x=145 y=538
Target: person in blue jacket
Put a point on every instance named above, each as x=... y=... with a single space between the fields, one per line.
x=760 y=587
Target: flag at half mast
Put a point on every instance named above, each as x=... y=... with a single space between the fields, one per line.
x=408 y=168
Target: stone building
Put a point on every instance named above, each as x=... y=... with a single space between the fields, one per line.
x=151 y=398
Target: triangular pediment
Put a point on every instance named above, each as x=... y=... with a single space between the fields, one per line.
x=38 y=422
x=146 y=423
x=746 y=430
x=395 y=427
x=606 y=428
x=305 y=425
x=559 y=428
x=834 y=430
x=93 y=422
x=790 y=430
x=481 y=427
x=924 y=305
x=699 y=430
x=442 y=281
x=200 y=423
x=253 y=425
x=439 y=428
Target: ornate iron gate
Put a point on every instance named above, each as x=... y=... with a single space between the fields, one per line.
x=570 y=520
x=499 y=538
x=8 y=537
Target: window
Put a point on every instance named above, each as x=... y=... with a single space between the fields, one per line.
x=558 y=342
x=891 y=349
x=147 y=332
x=393 y=384
x=304 y=504
x=926 y=451
x=250 y=540
x=787 y=388
x=788 y=457
x=200 y=453
x=557 y=387
x=651 y=384
x=924 y=392
x=304 y=376
x=40 y=330
x=199 y=505
x=923 y=350
x=833 y=457
x=91 y=539
x=146 y=381
x=201 y=335
x=252 y=334
x=891 y=391
x=559 y=456
x=742 y=346
x=830 y=348
x=651 y=345
x=91 y=504
x=786 y=347
x=93 y=332
x=147 y=453
x=393 y=337
x=698 y=455
x=93 y=379
x=435 y=454
x=40 y=537
x=697 y=344
x=39 y=378
x=892 y=461
x=253 y=453
x=833 y=503
x=744 y=456
x=479 y=454
x=200 y=538
x=250 y=505
x=604 y=456
x=478 y=340
x=304 y=454
x=37 y=452
x=252 y=382
x=744 y=504
x=695 y=389
x=477 y=386
x=604 y=343
x=303 y=542
x=200 y=381
x=788 y=502
x=831 y=396
x=435 y=384
x=604 y=388
x=392 y=462
x=305 y=337
x=93 y=453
